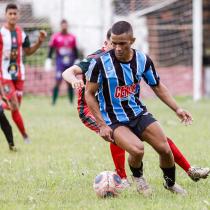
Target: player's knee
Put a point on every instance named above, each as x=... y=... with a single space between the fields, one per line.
x=165 y=150
x=14 y=106
x=137 y=151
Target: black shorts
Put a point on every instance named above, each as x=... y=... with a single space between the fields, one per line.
x=138 y=124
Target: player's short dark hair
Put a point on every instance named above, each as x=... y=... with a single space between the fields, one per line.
x=11 y=6
x=108 y=34
x=121 y=27
x=64 y=21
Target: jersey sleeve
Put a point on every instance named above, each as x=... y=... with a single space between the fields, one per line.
x=150 y=75
x=52 y=41
x=74 y=44
x=93 y=73
x=84 y=64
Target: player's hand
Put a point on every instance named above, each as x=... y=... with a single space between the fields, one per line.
x=186 y=117
x=42 y=35
x=106 y=133
x=5 y=99
x=78 y=83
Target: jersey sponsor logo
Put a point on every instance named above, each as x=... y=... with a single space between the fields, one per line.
x=125 y=91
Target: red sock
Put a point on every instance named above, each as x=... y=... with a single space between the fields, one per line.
x=17 y=118
x=178 y=156
x=118 y=156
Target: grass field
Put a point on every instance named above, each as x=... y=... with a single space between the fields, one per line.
x=57 y=169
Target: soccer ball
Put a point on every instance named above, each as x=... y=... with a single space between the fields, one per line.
x=107 y=184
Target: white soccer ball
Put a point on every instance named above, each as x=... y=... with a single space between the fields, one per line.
x=107 y=184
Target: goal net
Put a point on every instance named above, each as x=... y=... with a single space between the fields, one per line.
x=166 y=26
x=37 y=81
x=163 y=29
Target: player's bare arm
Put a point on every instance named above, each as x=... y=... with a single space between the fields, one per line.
x=35 y=47
x=163 y=93
x=105 y=131
x=69 y=75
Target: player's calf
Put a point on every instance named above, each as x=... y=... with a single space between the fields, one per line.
x=170 y=184
x=141 y=184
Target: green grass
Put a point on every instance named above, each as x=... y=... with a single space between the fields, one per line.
x=57 y=170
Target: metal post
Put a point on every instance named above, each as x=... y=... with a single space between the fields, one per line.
x=62 y=9
x=197 y=48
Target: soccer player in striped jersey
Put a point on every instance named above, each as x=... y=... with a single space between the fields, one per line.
x=13 y=43
x=120 y=114
x=118 y=155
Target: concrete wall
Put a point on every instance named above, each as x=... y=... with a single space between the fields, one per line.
x=89 y=20
x=178 y=79
x=86 y=18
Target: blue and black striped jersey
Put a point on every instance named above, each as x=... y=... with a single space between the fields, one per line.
x=119 y=84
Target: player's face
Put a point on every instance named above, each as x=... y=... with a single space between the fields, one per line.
x=108 y=45
x=64 y=27
x=122 y=45
x=12 y=16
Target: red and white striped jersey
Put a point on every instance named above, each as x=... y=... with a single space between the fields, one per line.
x=11 y=53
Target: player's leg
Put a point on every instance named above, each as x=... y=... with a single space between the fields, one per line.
x=58 y=81
x=87 y=118
x=10 y=92
x=118 y=154
x=19 y=97
x=16 y=115
x=178 y=156
x=7 y=130
x=128 y=141
x=19 y=84
x=70 y=93
x=195 y=173
x=118 y=157
x=154 y=135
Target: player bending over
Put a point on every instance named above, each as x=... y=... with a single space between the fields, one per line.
x=118 y=154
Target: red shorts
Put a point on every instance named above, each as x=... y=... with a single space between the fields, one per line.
x=12 y=87
x=84 y=113
x=88 y=119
